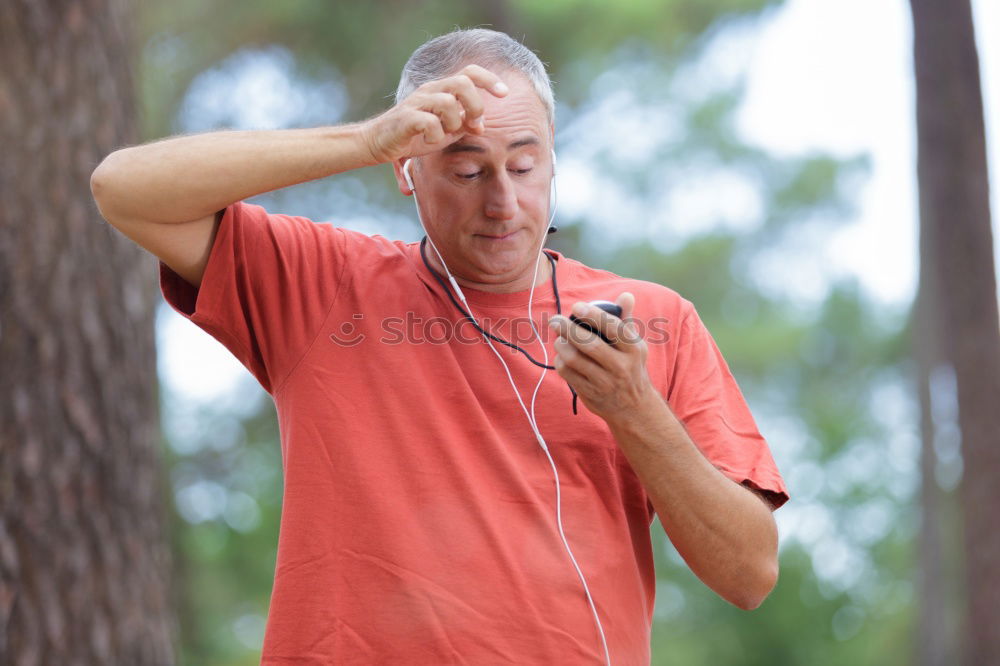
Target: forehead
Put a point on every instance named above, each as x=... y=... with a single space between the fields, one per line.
x=513 y=122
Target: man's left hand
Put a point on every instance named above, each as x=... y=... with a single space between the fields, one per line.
x=611 y=379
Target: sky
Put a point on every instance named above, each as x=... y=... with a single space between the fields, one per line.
x=821 y=76
x=838 y=77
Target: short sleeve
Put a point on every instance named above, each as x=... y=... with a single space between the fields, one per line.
x=268 y=286
x=704 y=396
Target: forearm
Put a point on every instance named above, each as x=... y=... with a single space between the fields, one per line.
x=189 y=177
x=724 y=532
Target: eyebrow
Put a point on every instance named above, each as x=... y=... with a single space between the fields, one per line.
x=460 y=147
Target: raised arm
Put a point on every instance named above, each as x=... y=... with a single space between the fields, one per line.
x=166 y=195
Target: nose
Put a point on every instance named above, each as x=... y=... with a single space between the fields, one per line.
x=501 y=198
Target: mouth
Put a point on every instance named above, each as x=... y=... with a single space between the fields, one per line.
x=498 y=238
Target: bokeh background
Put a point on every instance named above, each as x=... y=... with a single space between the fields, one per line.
x=758 y=156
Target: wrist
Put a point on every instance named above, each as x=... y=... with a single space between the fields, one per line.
x=636 y=416
x=364 y=138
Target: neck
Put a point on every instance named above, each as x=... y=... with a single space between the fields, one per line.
x=520 y=283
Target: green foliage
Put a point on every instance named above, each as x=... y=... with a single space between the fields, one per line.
x=795 y=625
x=225 y=559
x=368 y=42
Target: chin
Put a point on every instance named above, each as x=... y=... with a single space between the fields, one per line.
x=494 y=269
x=510 y=256
x=501 y=262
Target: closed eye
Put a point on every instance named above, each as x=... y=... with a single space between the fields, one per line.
x=470 y=176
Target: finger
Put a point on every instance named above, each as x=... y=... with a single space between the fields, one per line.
x=579 y=383
x=610 y=326
x=429 y=125
x=569 y=330
x=577 y=360
x=469 y=98
x=587 y=342
x=466 y=82
x=487 y=80
x=630 y=333
x=627 y=303
x=446 y=107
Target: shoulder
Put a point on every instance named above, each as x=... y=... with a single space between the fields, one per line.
x=360 y=246
x=650 y=297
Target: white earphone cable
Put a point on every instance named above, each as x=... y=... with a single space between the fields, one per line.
x=530 y=415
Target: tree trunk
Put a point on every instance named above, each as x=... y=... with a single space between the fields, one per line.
x=955 y=222
x=938 y=584
x=83 y=560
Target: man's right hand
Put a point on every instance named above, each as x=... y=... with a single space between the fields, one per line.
x=433 y=116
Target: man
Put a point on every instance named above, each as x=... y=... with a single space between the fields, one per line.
x=422 y=521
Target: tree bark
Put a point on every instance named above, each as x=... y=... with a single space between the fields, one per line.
x=83 y=560
x=955 y=217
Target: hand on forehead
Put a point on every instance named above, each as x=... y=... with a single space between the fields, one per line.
x=505 y=123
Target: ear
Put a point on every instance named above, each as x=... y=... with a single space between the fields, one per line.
x=397 y=168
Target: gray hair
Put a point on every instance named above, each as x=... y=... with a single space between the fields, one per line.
x=446 y=54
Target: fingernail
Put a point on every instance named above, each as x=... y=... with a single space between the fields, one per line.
x=480 y=122
x=500 y=87
x=580 y=308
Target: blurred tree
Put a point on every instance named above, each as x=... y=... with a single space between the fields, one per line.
x=957 y=241
x=369 y=42
x=83 y=560
x=939 y=571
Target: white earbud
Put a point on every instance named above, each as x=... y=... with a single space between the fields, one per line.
x=406 y=174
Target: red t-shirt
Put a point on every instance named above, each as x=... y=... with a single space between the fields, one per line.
x=418 y=519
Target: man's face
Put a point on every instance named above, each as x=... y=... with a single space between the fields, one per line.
x=484 y=199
